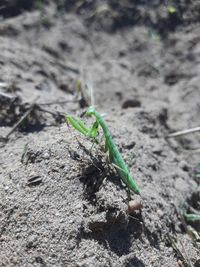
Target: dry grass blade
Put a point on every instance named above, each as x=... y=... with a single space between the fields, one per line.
x=172 y=241
x=184 y=132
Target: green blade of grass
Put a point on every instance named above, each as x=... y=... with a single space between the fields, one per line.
x=192 y=217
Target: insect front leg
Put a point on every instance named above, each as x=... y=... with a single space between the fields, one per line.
x=93 y=131
x=77 y=124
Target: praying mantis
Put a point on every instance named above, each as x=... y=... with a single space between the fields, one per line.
x=114 y=155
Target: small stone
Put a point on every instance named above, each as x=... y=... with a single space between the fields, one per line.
x=160 y=212
x=6 y=188
x=33 y=174
x=46 y=155
x=181 y=185
x=134 y=205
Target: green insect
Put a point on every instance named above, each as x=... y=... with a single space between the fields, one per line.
x=115 y=156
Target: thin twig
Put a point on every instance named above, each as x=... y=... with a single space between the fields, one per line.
x=58 y=102
x=178 y=251
x=186 y=254
x=6 y=95
x=20 y=120
x=184 y=132
x=27 y=113
x=56 y=113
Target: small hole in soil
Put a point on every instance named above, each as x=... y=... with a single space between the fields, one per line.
x=131 y=103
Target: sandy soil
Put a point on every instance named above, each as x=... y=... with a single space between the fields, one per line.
x=59 y=206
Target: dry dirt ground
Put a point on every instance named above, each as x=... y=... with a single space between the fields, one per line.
x=60 y=206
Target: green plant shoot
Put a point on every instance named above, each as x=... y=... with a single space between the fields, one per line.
x=192 y=217
x=114 y=155
x=171 y=9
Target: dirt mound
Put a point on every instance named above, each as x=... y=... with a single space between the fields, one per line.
x=62 y=205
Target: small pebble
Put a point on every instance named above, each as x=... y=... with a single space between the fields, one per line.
x=6 y=188
x=160 y=212
x=134 y=205
x=46 y=155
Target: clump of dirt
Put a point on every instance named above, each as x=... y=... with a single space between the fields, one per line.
x=10 y=109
